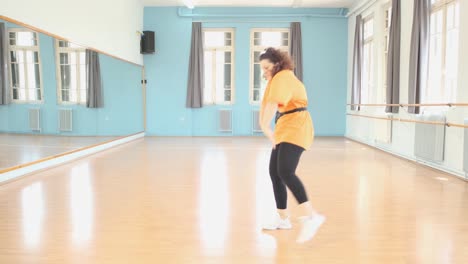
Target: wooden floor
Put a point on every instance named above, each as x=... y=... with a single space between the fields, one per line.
x=202 y=200
x=17 y=149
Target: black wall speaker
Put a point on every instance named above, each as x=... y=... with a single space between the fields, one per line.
x=147 y=42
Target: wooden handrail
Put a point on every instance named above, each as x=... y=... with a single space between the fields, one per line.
x=404 y=105
x=11 y=20
x=63 y=154
x=411 y=121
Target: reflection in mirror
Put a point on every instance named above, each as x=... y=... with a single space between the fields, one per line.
x=50 y=94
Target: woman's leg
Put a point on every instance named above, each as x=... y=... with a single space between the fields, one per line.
x=288 y=159
x=279 y=189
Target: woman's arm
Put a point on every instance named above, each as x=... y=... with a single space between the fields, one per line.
x=267 y=114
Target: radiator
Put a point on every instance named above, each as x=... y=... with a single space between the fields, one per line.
x=383 y=131
x=429 y=139
x=35 y=119
x=465 y=148
x=225 y=120
x=65 y=120
x=256 y=121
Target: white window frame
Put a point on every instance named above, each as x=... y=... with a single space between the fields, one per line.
x=225 y=48
x=387 y=9
x=253 y=49
x=59 y=50
x=370 y=40
x=24 y=49
x=441 y=5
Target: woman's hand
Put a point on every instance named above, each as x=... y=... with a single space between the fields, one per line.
x=270 y=135
x=267 y=115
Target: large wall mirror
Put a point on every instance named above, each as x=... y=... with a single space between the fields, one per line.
x=45 y=106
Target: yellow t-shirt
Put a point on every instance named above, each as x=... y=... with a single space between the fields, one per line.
x=289 y=93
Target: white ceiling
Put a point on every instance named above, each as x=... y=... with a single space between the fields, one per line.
x=266 y=3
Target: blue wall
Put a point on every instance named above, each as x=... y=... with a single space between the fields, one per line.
x=324 y=60
x=122 y=113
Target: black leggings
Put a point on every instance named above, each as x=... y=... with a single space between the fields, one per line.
x=283 y=163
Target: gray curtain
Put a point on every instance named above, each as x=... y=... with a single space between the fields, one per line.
x=419 y=54
x=93 y=80
x=4 y=87
x=393 y=63
x=296 y=48
x=196 y=68
x=357 y=64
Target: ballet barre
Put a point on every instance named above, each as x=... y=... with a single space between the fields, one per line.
x=413 y=105
x=411 y=121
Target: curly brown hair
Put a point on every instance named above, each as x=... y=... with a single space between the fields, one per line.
x=281 y=59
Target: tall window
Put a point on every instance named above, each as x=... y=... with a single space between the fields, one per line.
x=443 y=55
x=25 y=78
x=71 y=72
x=368 y=60
x=388 y=19
x=260 y=40
x=219 y=66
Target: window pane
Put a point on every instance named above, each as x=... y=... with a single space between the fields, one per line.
x=83 y=78
x=63 y=43
x=228 y=39
x=12 y=38
x=83 y=96
x=214 y=39
x=73 y=95
x=227 y=57
x=13 y=56
x=257 y=76
x=227 y=95
x=65 y=96
x=433 y=93
x=220 y=76
x=37 y=75
x=31 y=75
x=21 y=94
x=38 y=94
x=367 y=82
x=73 y=77
x=15 y=94
x=29 y=56
x=14 y=75
x=256 y=95
x=65 y=76
x=20 y=58
x=227 y=76
x=32 y=95
x=451 y=53
x=82 y=58
x=25 y=38
x=73 y=58
x=368 y=29
x=208 y=89
x=271 y=39
x=21 y=73
x=36 y=57
x=257 y=56
x=63 y=58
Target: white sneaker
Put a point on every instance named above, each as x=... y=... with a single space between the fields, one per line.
x=279 y=223
x=310 y=225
